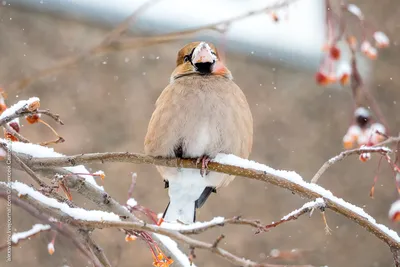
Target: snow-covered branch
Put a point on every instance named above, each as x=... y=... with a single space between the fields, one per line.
x=41 y=212
x=70 y=174
x=88 y=219
x=24 y=108
x=357 y=151
x=229 y=164
x=21 y=236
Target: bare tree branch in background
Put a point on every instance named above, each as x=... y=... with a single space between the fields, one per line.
x=114 y=41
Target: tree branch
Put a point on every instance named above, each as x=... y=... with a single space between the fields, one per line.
x=41 y=215
x=10 y=130
x=291 y=182
x=24 y=112
x=345 y=154
x=112 y=41
x=22 y=236
x=140 y=226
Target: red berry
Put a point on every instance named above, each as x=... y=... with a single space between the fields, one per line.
x=334 y=52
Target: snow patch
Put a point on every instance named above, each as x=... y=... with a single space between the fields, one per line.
x=76 y=213
x=296 y=178
x=192 y=226
x=39 y=151
x=19 y=105
x=35 y=229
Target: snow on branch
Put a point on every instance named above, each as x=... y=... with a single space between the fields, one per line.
x=23 y=105
x=38 y=151
x=318 y=203
x=36 y=229
x=76 y=213
x=25 y=108
x=359 y=151
x=234 y=165
x=165 y=235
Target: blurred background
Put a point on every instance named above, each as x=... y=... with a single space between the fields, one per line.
x=106 y=102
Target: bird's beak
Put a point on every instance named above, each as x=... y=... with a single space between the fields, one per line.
x=203 y=54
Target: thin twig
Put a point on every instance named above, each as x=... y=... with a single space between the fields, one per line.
x=14 y=133
x=65 y=231
x=294 y=215
x=24 y=112
x=345 y=154
x=29 y=234
x=123 y=26
x=235 y=220
x=217 y=241
x=112 y=42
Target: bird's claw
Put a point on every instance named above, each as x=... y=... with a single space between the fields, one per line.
x=204 y=165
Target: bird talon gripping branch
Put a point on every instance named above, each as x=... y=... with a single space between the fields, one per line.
x=204 y=165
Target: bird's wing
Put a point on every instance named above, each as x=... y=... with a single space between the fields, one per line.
x=163 y=132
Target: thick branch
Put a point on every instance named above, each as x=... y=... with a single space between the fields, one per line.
x=300 y=187
x=96 y=249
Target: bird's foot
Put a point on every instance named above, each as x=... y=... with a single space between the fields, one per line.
x=204 y=165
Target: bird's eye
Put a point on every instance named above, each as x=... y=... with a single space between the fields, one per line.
x=186 y=58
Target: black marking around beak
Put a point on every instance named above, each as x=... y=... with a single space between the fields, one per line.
x=204 y=67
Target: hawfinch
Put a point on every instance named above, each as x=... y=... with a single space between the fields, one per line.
x=201 y=113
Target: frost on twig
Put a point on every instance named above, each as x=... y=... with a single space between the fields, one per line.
x=39 y=211
x=26 y=108
x=344 y=154
x=308 y=207
x=39 y=151
x=76 y=213
x=36 y=229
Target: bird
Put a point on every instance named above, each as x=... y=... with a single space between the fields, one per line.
x=201 y=113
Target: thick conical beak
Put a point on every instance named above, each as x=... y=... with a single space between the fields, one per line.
x=203 y=54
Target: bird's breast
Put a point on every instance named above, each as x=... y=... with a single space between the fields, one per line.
x=210 y=120
x=198 y=141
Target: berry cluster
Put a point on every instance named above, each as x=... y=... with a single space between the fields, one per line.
x=334 y=69
x=363 y=132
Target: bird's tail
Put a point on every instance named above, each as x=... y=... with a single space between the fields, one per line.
x=180 y=211
x=183 y=204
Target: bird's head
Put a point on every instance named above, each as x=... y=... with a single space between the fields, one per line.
x=199 y=58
